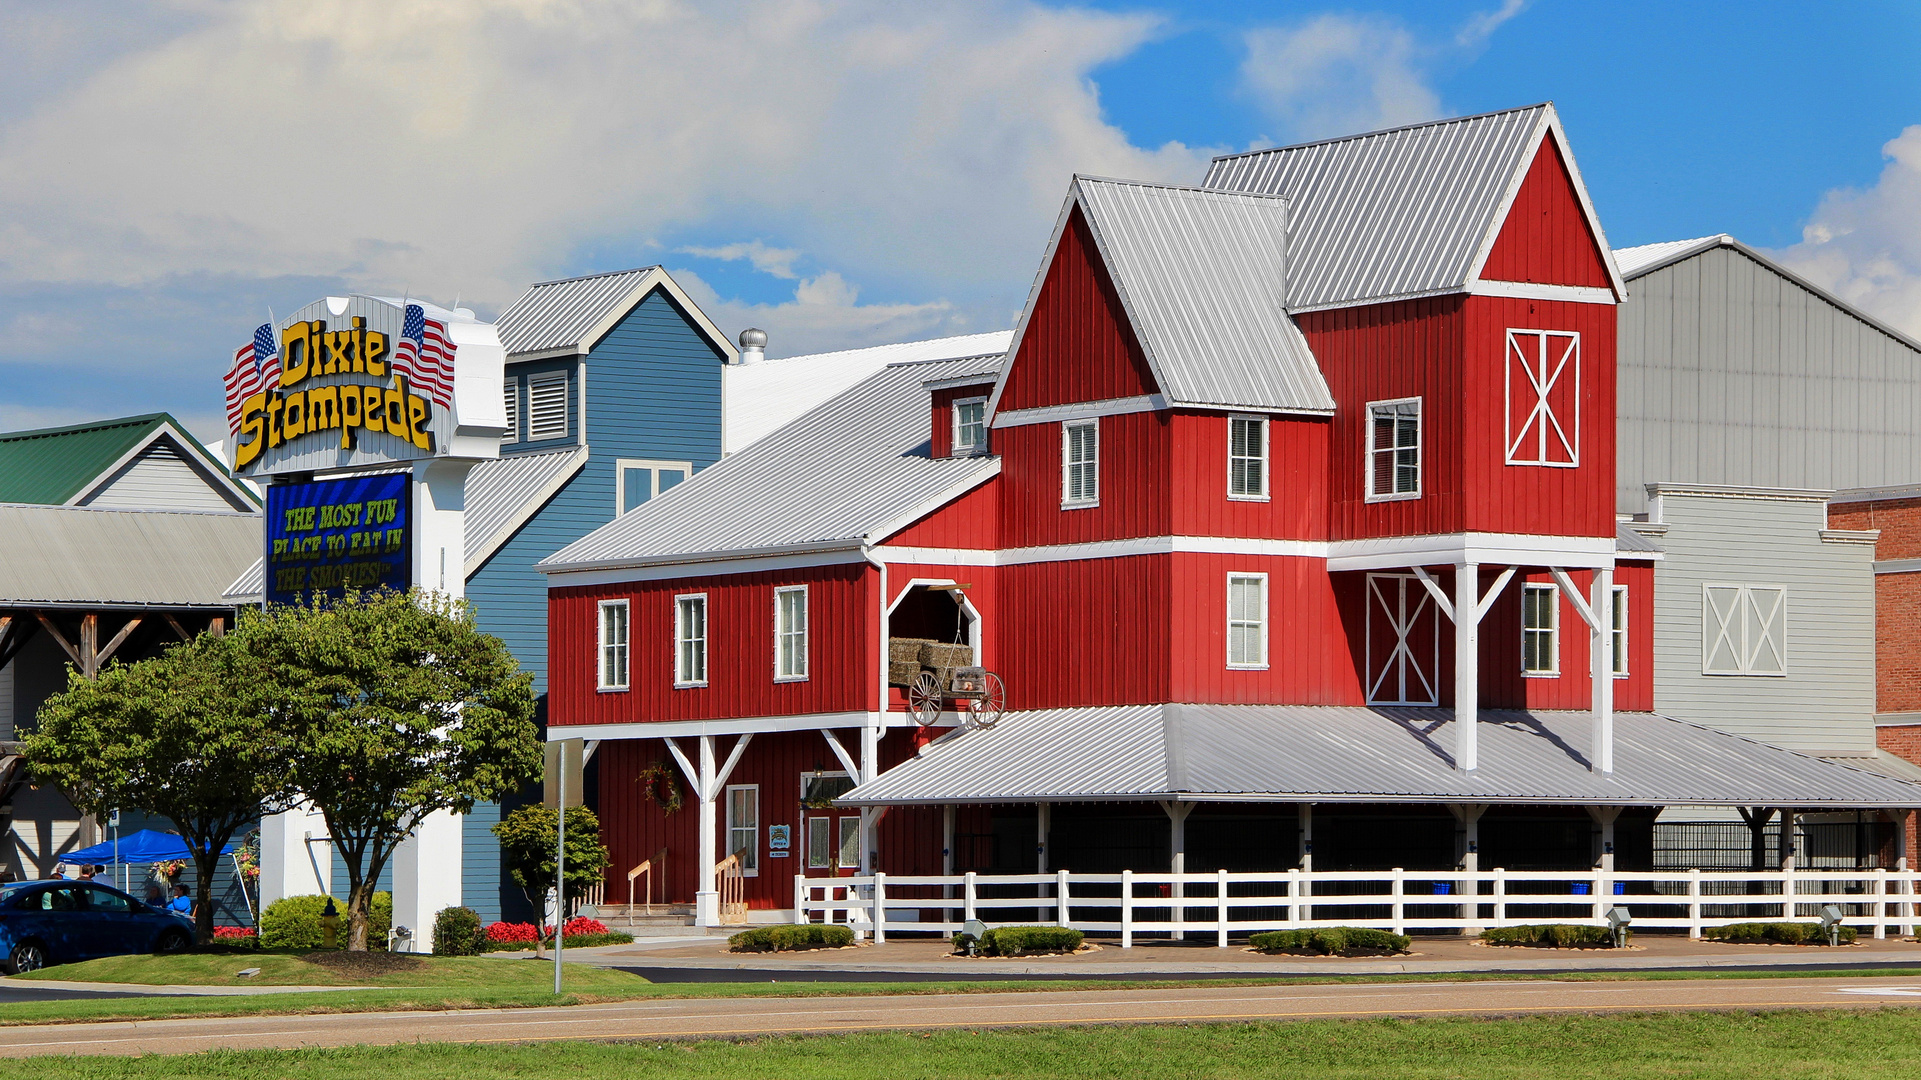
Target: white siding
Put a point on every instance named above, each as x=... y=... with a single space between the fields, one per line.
x=1732 y=374
x=1825 y=703
x=159 y=479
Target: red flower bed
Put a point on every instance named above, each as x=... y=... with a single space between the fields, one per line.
x=234 y=933
x=511 y=931
x=581 y=924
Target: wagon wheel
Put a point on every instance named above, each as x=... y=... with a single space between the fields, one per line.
x=924 y=699
x=985 y=711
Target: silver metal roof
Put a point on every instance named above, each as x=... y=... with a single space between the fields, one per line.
x=851 y=470
x=1203 y=276
x=1390 y=213
x=502 y=494
x=1300 y=753
x=78 y=555
x=1629 y=543
x=1635 y=261
x=558 y=314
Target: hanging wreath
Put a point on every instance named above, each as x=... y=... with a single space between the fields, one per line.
x=660 y=784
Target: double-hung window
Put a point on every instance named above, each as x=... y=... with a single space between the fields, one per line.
x=790 y=633
x=547 y=407
x=1247 y=457
x=613 y=645
x=1540 y=626
x=849 y=842
x=690 y=640
x=1744 y=630
x=1247 y=621
x=1080 y=463
x=970 y=426
x=1394 y=449
x=1618 y=631
x=743 y=826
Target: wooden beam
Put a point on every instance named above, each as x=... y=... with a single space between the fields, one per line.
x=54 y=631
x=218 y=626
x=132 y=625
x=177 y=627
x=90 y=644
x=13 y=635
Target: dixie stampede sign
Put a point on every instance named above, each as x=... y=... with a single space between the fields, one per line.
x=344 y=382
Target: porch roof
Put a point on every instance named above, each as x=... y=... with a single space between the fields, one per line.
x=1301 y=753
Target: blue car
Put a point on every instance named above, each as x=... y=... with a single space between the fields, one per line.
x=63 y=922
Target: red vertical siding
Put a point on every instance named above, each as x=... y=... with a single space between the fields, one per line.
x=1535 y=498
x=1078 y=345
x=1308 y=661
x=740 y=652
x=1134 y=500
x=1296 y=508
x=971 y=521
x=1636 y=692
x=1088 y=632
x=1546 y=238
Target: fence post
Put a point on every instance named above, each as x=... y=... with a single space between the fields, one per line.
x=1694 y=903
x=1220 y=908
x=1060 y=898
x=1294 y=898
x=1787 y=893
x=1500 y=896
x=880 y=908
x=1127 y=909
x=967 y=897
x=1881 y=903
x=1597 y=883
x=1399 y=894
x=800 y=900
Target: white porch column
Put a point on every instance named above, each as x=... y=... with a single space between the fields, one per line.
x=707 y=898
x=869 y=768
x=1787 y=863
x=1469 y=815
x=426 y=878
x=1467 y=666
x=1605 y=817
x=291 y=865
x=1306 y=817
x=1601 y=669
x=1177 y=857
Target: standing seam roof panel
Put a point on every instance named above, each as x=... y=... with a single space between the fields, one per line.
x=558 y=314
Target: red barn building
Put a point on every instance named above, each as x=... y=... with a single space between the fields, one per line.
x=1287 y=522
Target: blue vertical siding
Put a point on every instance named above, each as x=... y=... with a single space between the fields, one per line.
x=480 y=879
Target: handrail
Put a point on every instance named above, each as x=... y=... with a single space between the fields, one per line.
x=647 y=867
x=731 y=872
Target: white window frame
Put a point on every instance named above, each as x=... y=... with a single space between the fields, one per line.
x=1068 y=502
x=546 y=378
x=682 y=681
x=1553 y=366
x=1553 y=630
x=1266 y=454
x=654 y=468
x=780 y=633
x=1259 y=625
x=1618 y=632
x=1420 y=456
x=841 y=838
x=955 y=447
x=750 y=866
x=1746 y=602
x=510 y=398
x=603 y=647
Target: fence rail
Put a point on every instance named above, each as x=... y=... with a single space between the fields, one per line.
x=1226 y=905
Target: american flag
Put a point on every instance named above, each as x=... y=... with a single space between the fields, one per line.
x=256 y=365
x=425 y=354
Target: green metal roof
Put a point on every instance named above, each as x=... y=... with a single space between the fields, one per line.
x=52 y=465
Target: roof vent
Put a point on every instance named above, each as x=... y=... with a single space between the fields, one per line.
x=753 y=345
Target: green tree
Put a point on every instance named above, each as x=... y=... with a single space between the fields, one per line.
x=183 y=735
x=394 y=707
x=527 y=845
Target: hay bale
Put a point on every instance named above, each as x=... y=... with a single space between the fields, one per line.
x=935 y=655
x=907 y=648
x=903 y=672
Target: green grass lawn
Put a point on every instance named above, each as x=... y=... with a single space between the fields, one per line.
x=1829 y=1045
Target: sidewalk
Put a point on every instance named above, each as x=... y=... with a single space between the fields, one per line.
x=922 y=958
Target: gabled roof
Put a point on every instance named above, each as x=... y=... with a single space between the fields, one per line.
x=848 y=473
x=1406 y=212
x=764 y=396
x=70 y=465
x=128 y=558
x=504 y=493
x=1309 y=753
x=567 y=316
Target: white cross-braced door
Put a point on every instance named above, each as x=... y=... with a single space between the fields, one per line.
x=1544 y=398
x=1403 y=642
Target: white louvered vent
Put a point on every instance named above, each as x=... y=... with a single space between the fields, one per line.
x=512 y=402
x=547 y=408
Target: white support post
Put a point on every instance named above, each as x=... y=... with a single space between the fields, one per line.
x=1601 y=669
x=1127 y=909
x=707 y=898
x=1467 y=666
x=1220 y=908
x=1060 y=899
x=1601 y=727
x=1469 y=815
x=1787 y=864
x=1177 y=831
x=880 y=908
x=1694 y=903
x=1605 y=817
x=967 y=898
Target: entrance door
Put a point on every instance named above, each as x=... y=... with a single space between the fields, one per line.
x=1403 y=642
x=830 y=835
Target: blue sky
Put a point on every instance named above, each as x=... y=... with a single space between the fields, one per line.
x=839 y=173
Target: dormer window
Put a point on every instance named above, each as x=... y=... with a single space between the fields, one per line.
x=970 y=426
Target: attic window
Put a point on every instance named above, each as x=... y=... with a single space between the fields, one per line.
x=970 y=425
x=547 y=407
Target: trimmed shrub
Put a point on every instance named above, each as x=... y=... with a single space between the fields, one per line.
x=1776 y=933
x=457 y=932
x=293 y=922
x=1551 y=936
x=791 y=937
x=1025 y=940
x=1332 y=940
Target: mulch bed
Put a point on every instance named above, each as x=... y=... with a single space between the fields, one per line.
x=1344 y=953
x=365 y=964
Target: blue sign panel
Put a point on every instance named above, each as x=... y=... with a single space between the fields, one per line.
x=326 y=536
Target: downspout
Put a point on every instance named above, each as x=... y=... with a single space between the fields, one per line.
x=870 y=745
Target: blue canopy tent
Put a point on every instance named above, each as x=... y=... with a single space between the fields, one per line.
x=144 y=846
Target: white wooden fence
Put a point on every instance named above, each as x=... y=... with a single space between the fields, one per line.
x=1226 y=905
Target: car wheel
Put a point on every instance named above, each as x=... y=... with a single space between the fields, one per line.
x=173 y=941
x=26 y=956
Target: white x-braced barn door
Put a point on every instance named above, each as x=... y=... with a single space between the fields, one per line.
x=1744 y=630
x=1403 y=642
x=1544 y=398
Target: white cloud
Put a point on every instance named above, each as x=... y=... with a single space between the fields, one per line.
x=469 y=148
x=778 y=262
x=825 y=314
x=1865 y=245
x=1481 y=25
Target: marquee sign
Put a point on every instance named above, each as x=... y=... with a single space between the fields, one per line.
x=327 y=536
x=343 y=382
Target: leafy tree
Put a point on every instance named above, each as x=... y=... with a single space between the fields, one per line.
x=527 y=855
x=394 y=707
x=183 y=735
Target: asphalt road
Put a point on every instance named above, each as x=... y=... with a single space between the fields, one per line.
x=735 y=1017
